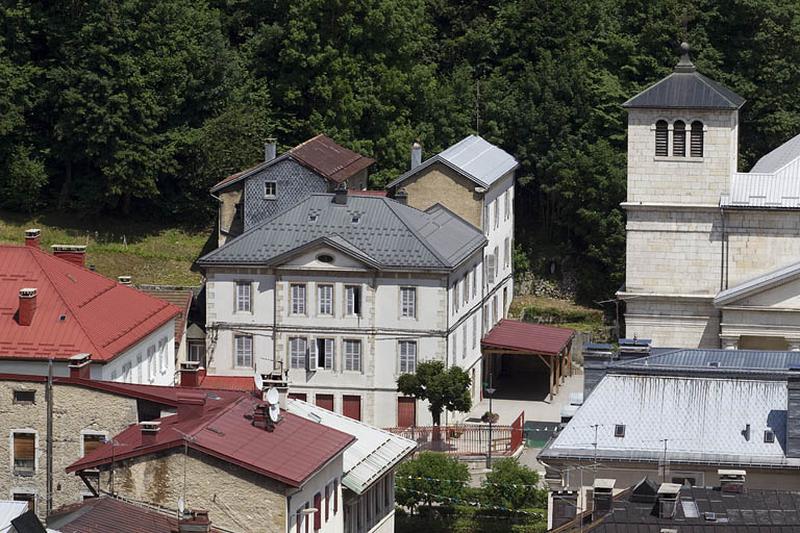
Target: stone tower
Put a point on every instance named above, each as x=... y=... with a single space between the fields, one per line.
x=682 y=151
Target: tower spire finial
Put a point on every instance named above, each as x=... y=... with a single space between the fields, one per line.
x=685 y=64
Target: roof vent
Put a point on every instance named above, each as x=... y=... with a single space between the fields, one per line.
x=732 y=481
x=79 y=366
x=125 y=280
x=74 y=253
x=149 y=431
x=714 y=364
x=710 y=517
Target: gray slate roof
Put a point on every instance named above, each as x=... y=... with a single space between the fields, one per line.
x=686 y=88
x=703 y=419
x=388 y=235
x=701 y=361
x=757 y=284
x=473 y=157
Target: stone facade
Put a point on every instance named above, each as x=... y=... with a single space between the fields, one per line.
x=76 y=411
x=440 y=184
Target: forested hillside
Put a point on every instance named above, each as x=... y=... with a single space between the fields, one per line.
x=136 y=106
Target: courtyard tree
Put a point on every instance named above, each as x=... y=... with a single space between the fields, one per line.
x=442 y=388
x=512 y=485
x=431 y=478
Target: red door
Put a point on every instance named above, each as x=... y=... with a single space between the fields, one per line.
x=297 y=396
x=351 y=407
x=406 y=412
x=325 y=401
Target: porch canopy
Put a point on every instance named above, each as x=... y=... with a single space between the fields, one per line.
x=550 y=344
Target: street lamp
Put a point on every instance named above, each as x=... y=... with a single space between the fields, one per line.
x=490 y=392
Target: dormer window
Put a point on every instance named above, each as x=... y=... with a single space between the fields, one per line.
x=662 y=135
x=270 y=189
x=679 y=139
x=356 y=219
x=696 y=146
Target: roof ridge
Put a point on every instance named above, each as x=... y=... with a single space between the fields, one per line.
x=649 y=87
x=64 y=300
x=317 y=136
x=421 y=239
x=711 y=84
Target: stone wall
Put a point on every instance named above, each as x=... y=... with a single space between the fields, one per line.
x=673 y=322
x=439 y=184
x=229 y=225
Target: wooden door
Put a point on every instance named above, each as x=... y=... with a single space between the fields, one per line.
x=325 y=401
x=351 y=407
x=406 y=412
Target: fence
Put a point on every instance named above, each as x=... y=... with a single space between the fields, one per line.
x=466 y=440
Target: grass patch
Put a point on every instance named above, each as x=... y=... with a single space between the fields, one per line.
x=564 y=313
x=150 y=251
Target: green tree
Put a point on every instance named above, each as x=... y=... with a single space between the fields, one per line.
x=430 y=478
x=442 y=388
x=513 y=486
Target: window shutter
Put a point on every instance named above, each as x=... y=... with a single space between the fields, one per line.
x=318 y=513
x=662 y=134
x=311 y=362
x=696 y=148
x=679 y=139
x=24 y=446
x=335 y=496
x=327 y=501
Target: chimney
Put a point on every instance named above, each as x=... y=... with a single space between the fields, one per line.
x=731 y=481
x=634 y=348
x=596 y=358
x=27 y=306
x=270 y=149
x=190 y=374
x=191 y=404
x=32 y=237
x=276 y=379
x=79 y=366
x=340 y=194
x=416 y=155
x=149 y=431
x=668 y=499
x=401 y=196
x=74 y=253
x=565 y=507
x=793 y=413
x=261 y=417
x=603 y=498
x=194 y=522
x=125 y=280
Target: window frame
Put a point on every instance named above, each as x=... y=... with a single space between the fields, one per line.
x=350 y=358
x=298 y=303
x=31 y=499
x=16 y=401
x=274 y=194
x=496 y=203
x=356 y=301
x=240 y=299
x=24 y=471
x=91 y=433
x=407 y=362
x=329 y=300
x=404 y=305
x=236 y=355
x=196 y=344
x=619 y=431
x=298 y=352
x=151 y=362
x=678 y=137
x=694 y=133
x=507 y=211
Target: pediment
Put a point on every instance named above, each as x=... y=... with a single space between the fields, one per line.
x=779 y=289
x=326 y=254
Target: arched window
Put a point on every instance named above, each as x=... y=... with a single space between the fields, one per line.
x=661 y=138
x=696 y=146
x=679 y=139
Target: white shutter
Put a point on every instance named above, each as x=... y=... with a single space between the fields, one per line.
x=312 y=356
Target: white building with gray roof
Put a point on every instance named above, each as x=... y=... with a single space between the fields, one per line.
x=712 y=253
x=346 y=293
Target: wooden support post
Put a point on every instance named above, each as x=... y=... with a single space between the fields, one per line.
x=557 y=364
x=552 y=381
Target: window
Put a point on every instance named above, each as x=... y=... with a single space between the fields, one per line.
x=466 y=288
x=243 y=301
x=679 y=139
x=356 y=219
x=769 y=436
x=464 y=341
x=474 y=330
x=126 y=370
x=139 y=367
x=325 y=299
x=494 y=310
x=490 y=269
x=455 y=346
x=662 y=136
x=408 y=357
x=26 y=497
x=619 y=430
x=696 y=143
x=353 y=304
x=197 y=352
x=352 y=355
x=496 y=213
x=270 y=189
x=25 y=397
x=327 y=501
x=297 y=352
x=325 y=258
x=496 y=261
x=244 y=350
x=486 y=213
x=507 y=211
x=474 y=280
x=325 y=353
x=408 y=302
x=151 y=362
x=298 y=293
x=162 y=351
x=455 y=297
x=24 y=453
x=318 y=512
x=92 y=441
x=507 y=252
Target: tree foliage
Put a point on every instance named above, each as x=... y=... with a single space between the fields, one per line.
x=430 y=478
x=444 y=389
x=140 y=106
x=512 y=485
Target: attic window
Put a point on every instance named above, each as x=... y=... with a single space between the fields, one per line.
x=325 y=258
x=312 y=218
x=270 y=189
x=769 y=436
x=25 y=397
x=356 y=219
x=714 y=364
x=619 y=430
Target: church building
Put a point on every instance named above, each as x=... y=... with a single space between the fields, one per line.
x=713 y=254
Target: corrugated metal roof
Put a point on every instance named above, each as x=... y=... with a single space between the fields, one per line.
x=702 y=419
x=385 y=235
x=757 y=284
x=527 y=337
x=473 y=157
x=374 y=453
x=779 y=157
x=700 y=360
x=780 y=190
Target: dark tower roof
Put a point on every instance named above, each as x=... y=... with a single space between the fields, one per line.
x=686 y=88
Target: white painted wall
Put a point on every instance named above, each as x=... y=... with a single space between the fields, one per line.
x=305 y=495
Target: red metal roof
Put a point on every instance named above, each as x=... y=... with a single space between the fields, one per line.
x=295 y=450
x=77 y=310
x=104 y=514
x=527 y=337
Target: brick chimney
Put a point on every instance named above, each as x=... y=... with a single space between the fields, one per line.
x=32 y=236
x=194 y=522
x=27 y=306
x=149 y=431
x=124 y=280
x=190 y=374
x=191 y=404
x=79 y=366
x=74 y=253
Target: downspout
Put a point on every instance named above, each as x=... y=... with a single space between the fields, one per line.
x=49 y=397
x=275 y=323
x=723 y=273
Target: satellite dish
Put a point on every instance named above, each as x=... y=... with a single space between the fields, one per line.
x=274 y=412
x=181 y=505
x=259 y=381
x=272 y=396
